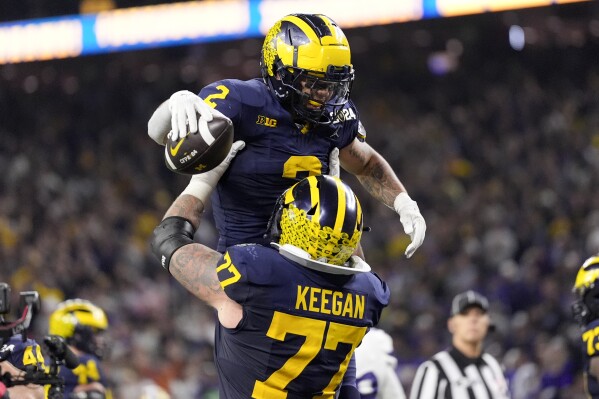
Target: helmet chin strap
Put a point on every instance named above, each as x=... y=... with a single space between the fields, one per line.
x=354 y=265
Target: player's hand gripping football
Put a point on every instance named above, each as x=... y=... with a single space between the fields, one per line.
x=412 y=221
x=184 y=107
x=201 y=185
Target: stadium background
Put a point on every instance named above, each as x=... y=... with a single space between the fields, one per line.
x=499 y=145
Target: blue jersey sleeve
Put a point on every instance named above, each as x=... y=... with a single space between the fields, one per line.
x=233 y=272
x=346 y=127
x=382 y=295
x=224 y=97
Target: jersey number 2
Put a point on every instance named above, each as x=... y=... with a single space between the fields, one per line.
x=314 y=331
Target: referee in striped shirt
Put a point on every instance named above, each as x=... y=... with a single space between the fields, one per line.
x=463 y=371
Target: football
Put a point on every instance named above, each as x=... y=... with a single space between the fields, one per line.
x=201 y=151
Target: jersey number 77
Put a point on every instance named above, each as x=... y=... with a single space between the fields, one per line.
x=314 y=331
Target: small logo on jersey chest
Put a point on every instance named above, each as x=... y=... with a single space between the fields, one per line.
x=345 y=114
x=266 y=121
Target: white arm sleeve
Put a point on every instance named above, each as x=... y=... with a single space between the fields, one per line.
x=390 y=387
x=159 y=124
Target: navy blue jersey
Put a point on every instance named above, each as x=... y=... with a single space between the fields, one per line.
x=590 y=349
x=277 y=155
x=89 y=370
x=299 y=329
x=22 y=354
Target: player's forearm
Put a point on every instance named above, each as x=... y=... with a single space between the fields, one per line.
x=379 y=179
x=372 y=170
x=188 y=207
x=194 y=266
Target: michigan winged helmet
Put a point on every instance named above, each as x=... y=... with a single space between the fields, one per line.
x=306 y=62
x=320 y=217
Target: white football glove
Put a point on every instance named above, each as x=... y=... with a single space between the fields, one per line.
x=334 y=163
x=412 y=221
x=183 y=106
x=201 y=185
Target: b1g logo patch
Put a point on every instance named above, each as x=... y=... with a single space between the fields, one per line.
x=266 y=121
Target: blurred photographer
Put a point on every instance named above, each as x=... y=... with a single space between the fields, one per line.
x=82 y=324
x=18 y=355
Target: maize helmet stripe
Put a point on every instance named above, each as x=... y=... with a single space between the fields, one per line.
x=314 y=197
x=329 y=197
x=318 y=23
x=341 y=203
x=288 y=197
x=353 y=220
x=323 y=26
x=292 y=41
x=358 y=214
x=306 y=28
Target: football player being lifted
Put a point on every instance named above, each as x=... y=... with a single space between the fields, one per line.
x=297 y=121
x=586 y=313
x=82 y=324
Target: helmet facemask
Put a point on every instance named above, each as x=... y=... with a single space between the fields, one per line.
x=317 y=97
x=89 y=340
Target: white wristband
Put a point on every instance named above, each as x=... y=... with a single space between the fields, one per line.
x=402 y=200
x=198 y=188
x=201 y=185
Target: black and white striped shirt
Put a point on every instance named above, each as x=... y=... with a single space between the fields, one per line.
x=451 y=375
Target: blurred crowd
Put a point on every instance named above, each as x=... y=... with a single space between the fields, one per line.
x=501 y=151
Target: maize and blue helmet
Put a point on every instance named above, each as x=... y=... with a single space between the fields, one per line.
x=586 y=307
x=321 y=216
x=80 y=322
x=306 y=62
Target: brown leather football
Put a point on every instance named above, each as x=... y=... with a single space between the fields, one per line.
x=201 y=151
